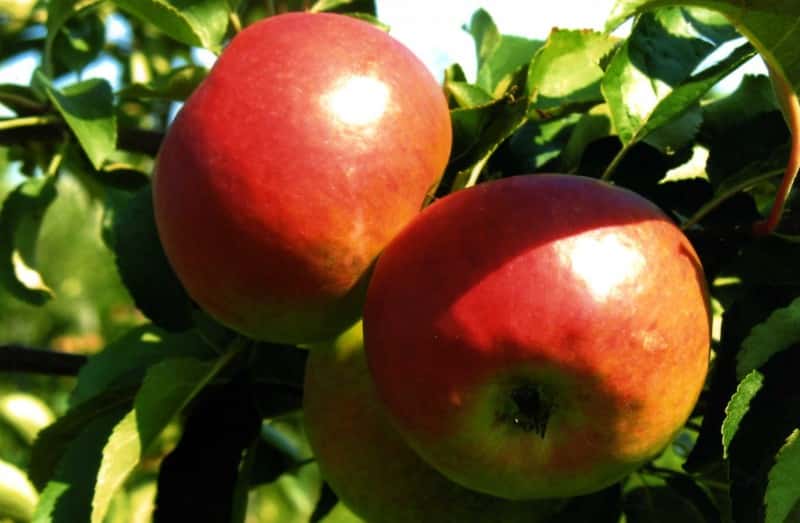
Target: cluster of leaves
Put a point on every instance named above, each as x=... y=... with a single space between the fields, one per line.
x=170 y=407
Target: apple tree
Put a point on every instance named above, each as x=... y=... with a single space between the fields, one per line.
x=123 y=399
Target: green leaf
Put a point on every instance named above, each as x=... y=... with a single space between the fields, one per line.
x=222 y=418
x=480 y=131
x=124 y=362
x=499 y=56
x=344 y=6
x=753 y=97
x=58 y=13
x=18 y=498
x=20 y=220
x=167 y=389
x=779 y=332
x=659 y=505
x=686 y=95
x=78 y=42
x=659 y=55
x=467 y=95
x=143 y=265
x=21 y=99
x=770 y=25
x=200 y=23
x=593 y=125
x=53 y=442
x=783 y=490
x=68 y=495
x=327 y=500
x=567 y=68
x=176 y=86
x=485 y=34
x=738 y=406
x=88 y=109
x=712 y=25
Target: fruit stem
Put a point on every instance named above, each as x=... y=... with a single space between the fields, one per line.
x=791 y=106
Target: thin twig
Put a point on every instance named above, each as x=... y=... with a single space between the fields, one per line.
x=21 y=358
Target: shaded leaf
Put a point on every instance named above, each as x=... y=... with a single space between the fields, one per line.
x=58 y=13
x=88 y=109
x=21 y=99
x=738 y=406
x=271 y=462
x=593 y=125
x=686 y=95
x=478 y=132
x=143 y=265
x=78 y=42
x=774 y=412
x=779 y=332
x=770 y=25
x=167 y=389
x=53 y=441
x=176 y=86
x=601 y=507
x=124 y=362
x=783 y=490
x=197 y=480
x=753 y=96
x=659 y=504
x=200 y=23
x=692 y=491
x=20 y=220
x=327 y=500
x=68 y=495
x=659 y=55
x=750 y=308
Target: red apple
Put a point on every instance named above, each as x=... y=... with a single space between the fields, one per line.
x=368 y=464
x=538 y=336
x=311 y=143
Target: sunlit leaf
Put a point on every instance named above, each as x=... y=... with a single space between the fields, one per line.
x=659 y=56
x=88 y=109
x=166 y=391
x=201 y=23
x=20 y=221
x=783 y=490
x=738 y=406
x=770 y=25
x=567 y=68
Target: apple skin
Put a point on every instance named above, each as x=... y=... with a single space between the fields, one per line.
x=311 y=143
x=538 y=336
x=374 y=473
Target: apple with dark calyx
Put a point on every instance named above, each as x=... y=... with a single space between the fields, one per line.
x=369 y=466
x=538 y=336
x=314 y=139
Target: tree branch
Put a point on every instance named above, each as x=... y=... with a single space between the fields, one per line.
x=19 y=358
x=129 y=139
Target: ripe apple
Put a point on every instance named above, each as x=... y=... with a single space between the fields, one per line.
x=538 y=336
x=311 y=143
x=368 y=464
